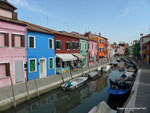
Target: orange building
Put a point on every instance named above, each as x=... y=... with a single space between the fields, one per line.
x=100 y=48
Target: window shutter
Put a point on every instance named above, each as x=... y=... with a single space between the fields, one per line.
x=7 y=69
x=13 y=40
x=55 y=44
x=60 y=45
x=22 y=41
x=67 y=47
x=6 y=39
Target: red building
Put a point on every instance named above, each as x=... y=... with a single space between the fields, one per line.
x=67 y=51
x=105 y=47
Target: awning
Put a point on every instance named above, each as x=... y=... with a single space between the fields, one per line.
x=78 y=55
x=66 y=57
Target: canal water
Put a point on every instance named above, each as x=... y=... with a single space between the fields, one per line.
x=82 y=100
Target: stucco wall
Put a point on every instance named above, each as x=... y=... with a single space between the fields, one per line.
x=94 y=50
x=84 y=51
x=11 y=54
x=41 y=50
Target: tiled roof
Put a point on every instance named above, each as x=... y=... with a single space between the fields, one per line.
x=64 y=33
x=37 y=28
x=146 y=36
x=10 y=20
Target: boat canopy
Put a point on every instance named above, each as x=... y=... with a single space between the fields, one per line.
x=78 y=55
x=66 y=57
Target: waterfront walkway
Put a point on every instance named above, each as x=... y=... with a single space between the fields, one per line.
x=140 y=101
x=44 y=85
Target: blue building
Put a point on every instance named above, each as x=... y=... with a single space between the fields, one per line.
x=40 y=52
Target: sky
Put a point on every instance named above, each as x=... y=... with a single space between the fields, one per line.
x=117 y=20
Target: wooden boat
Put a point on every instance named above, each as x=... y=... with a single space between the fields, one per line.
x=75 y=83
x=92 y=75
x=119 y=90
x=131 y=69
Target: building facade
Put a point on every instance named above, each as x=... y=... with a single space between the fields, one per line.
x=12 y=46
x=67 y=51
x=84 y=51
x=40 y=52
x=92 y=52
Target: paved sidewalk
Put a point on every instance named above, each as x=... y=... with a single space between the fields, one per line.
x=140 y=101
x=44 y=85
x=143 y=92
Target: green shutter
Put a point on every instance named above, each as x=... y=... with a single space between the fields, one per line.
x=32 y=65
x=31 y=42
x=51 y=63
x=50 y=44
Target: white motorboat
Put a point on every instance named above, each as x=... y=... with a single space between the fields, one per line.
x=107 y=68
x=75 y=83
x=99 y=68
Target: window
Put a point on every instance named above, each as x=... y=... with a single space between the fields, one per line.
x=74 y=45
x=95 y=46
x=100 y=49
x=103 y=49
x=50 y=43
x=32 y=65
x=77 y=46
x=31 y=41
x=68 y=45
x=18 y=40
x=103 y=41
x=4 y=70
x=80 y=46
x=88 y=46
x=85 y=46
x=58 y=44
x=100 y=40
x=4 y=40
x=92 y=46
x=51 y=63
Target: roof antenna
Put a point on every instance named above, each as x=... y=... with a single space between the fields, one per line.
x=47 y=21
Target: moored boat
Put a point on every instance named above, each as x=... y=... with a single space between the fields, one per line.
x=92 y=75
x=119 y=89
x=107 y=68
x=73 y=84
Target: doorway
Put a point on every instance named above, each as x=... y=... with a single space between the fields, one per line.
x=42 y=68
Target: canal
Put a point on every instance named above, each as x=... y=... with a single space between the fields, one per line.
x=82 y=100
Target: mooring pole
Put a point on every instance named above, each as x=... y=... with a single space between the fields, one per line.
x=27 y=90
x=62 y=78
x=37 y=91
x=13 y=93
x=71 y=72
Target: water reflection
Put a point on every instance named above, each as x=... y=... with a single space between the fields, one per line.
x=58 y=101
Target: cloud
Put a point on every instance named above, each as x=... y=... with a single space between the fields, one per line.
x=32 y=6
x=126 y=11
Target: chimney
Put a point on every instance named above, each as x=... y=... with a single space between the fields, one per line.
x=141 y=34
x=99 y=34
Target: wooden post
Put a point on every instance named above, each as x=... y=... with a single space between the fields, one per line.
x=13 y=93
x=71 y=72
x=27 y=90
x=35 y=82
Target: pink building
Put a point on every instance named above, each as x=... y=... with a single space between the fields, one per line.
x=12 y=46
x=92 y=51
